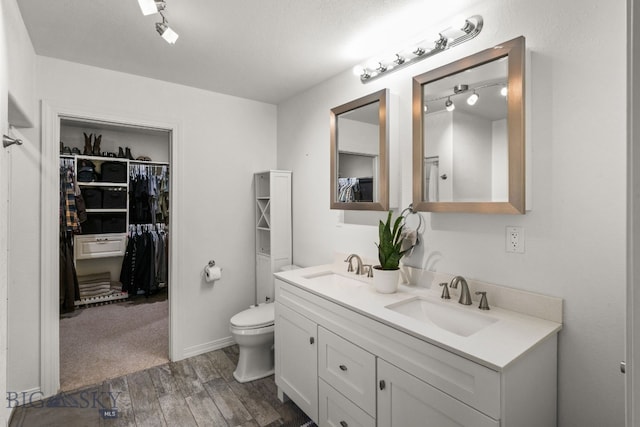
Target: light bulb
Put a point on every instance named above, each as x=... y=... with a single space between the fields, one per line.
x=473 y=98
x=358 y=70
x=449 y=105
x=426 y=108
x=458 y=22
x=504 y=91
x=148 y=7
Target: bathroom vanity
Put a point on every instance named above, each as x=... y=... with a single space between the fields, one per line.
x=349 y=356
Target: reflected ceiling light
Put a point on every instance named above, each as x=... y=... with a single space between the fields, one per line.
x=473 y=98
x=465 y=29
x=166 y=32
x=460 y=89
x=449 y=105
x=149 y=7
x=504 y=91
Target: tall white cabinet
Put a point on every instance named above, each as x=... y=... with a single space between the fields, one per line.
x=273 y=228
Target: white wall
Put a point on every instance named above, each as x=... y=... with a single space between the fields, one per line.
x=224 y=140
x=575 y=235
x=18 y=89
x=21 y=68
x=4 y=175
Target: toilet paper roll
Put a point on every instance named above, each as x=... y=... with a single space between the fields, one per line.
x=212 y=273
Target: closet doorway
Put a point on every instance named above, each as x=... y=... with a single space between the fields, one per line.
x=113 y=310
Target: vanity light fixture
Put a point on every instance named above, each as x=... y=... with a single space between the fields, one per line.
x=451 y=36
x=149 y=7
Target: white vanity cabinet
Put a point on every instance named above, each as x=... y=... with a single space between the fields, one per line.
x=404 y=400
x=366 y=372
x=297 y=367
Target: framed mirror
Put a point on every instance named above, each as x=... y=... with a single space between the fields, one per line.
x=359 y=160
x=468 y=134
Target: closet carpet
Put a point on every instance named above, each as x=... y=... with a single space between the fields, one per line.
x=108 y=341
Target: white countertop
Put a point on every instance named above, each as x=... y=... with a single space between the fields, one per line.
x=495 y=346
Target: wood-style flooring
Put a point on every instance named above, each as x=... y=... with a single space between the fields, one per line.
x=199 y=391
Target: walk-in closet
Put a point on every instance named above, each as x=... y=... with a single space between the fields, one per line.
x=114 y=250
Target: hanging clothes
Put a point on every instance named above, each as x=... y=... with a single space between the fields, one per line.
x=148 y=194
x=144 y=267
x=69 y=223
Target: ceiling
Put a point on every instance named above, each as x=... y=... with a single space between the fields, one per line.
x=266 y=50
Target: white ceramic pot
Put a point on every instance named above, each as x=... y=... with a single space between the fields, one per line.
x=385 y=281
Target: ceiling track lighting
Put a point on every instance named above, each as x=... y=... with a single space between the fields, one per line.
x=150 y=7
x=463 y=88
x=449 y=105
x=448 y=38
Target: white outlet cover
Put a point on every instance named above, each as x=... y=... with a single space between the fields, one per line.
x=514 y=239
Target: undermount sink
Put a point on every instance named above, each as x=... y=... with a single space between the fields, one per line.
x=458 y=320
x=329 y=277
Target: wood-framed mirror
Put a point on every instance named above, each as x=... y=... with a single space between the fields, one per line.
x=469 y=134
x=359 y=154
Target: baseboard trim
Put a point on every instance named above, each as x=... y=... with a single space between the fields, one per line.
x=207 y=347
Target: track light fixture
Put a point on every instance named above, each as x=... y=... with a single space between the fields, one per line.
x=473 y=98
x=460 y=89
x=449 y=105
x=149 y=7
x=451 y=36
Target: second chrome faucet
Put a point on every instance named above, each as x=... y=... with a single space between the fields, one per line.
x=465 y=296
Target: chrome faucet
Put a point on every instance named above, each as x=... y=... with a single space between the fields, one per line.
x=358 y=265
x=465 y=297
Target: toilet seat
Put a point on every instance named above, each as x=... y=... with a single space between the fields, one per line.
x=255 y=317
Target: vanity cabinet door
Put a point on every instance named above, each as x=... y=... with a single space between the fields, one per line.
x=406 y=401
x=296 y=355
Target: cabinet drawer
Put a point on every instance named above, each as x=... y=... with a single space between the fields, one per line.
x=348 y=368
x=100 y=246
x=337 y=411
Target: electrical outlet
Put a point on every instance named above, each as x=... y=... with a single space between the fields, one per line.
x=515 y=239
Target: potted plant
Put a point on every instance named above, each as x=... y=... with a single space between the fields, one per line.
x=390 y=252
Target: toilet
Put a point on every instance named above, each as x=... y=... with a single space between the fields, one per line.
x=252 y=329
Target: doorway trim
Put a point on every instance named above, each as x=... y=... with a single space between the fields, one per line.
x=52 y=113
x=632 y=375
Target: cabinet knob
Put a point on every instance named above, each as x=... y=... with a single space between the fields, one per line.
x=343 y=368
x=382 y=385
x=344 y=424
x=312 y=340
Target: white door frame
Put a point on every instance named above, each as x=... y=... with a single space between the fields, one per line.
x=632 y=377
x=49 y=247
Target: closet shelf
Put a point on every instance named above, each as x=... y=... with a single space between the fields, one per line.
x=107 y=210
x=102 y=184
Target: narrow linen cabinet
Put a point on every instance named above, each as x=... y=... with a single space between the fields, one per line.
x=273 y=228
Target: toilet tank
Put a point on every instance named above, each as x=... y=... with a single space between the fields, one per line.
x=264 y=279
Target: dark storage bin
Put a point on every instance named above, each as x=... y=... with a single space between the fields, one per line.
x=114 y=199
x=113 y=172
x=114 y=224
x=93 y=225
x=92 y=198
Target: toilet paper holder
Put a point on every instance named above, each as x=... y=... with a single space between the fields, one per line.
x=211 y=263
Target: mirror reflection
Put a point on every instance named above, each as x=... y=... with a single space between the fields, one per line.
x=358 y=154
x=465 y=136
x=468 y=133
